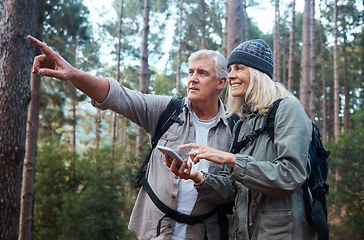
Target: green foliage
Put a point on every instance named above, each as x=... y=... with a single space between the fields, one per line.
x=51 y=182
x=165 y=84
x=192 y=25
x=132 y=25
x=88 y=198
x=347 y=157
x=191 y=34
x=51 y=107
x=94 y=210
x=64 y=26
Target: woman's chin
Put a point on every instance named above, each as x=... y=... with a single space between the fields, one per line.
x=237 y=94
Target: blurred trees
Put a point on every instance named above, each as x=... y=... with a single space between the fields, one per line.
x=349 y=190
x=83 y=199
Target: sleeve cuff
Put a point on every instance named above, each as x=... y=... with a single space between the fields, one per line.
x=239 y=171
x=105 y=104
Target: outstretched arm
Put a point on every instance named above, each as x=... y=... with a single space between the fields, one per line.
x=51 y=64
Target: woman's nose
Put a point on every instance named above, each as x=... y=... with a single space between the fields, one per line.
x=232 y=74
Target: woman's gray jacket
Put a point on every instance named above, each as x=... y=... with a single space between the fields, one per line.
x=267 y=177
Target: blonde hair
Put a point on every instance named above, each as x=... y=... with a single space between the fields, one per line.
x=261 y=93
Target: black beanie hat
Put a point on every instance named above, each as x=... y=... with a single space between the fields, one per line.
x=254 y=53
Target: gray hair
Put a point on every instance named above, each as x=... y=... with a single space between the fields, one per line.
x=219 y=59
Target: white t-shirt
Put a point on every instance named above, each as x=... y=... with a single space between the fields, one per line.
x=187 y=194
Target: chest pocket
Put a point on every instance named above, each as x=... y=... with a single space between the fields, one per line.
x=170 y=135
x=174 y=137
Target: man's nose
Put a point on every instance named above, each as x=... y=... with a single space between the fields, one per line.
x=193 y=78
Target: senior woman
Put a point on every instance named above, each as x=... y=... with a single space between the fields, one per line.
x=265 y=177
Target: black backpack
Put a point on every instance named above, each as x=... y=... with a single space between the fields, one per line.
x=168 y=117
x=315 y=187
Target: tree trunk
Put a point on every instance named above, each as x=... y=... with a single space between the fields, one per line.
x=346 y=83
x=312 y=62
x=98 y=128
x=73 y=131
x=115 y=115
x=305 y=57
x=27 y=195
x=337 y=205
x=17 y=21
x=224 y=50
x=324 y=117
x=284 y=64
x=235 y=21
x=336 y=80
x=203 y=25
x=178 y=74
x=124 y=136
x=276 y=45
x=246 y=21
x=291 y=49
x=144 y=70
x=330 y=124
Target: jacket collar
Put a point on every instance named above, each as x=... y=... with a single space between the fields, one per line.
x=246 y=111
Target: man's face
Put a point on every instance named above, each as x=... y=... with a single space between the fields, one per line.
x=202 y=85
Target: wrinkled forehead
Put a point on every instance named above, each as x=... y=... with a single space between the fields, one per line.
x=203 y=63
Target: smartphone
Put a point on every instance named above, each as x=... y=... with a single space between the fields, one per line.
x=172 y=154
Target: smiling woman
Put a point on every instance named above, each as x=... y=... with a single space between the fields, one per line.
x=239 y=80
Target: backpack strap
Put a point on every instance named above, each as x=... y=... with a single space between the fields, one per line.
x=232 y=120
x=168 y=117
x=271 y=115
x=171 y=213
x=268 y=126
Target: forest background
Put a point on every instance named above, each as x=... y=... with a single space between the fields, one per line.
x=67 y=170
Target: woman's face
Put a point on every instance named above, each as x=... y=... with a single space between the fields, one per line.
x=239 y=79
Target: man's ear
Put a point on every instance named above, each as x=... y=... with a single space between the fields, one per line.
x=221 y=83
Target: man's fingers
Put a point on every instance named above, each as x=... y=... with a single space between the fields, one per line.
x=49 y=73
x=168 y=161
x=189 y=167
x=173 y=168
x=38 y=63
x=43 y=47
x=183 y=167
